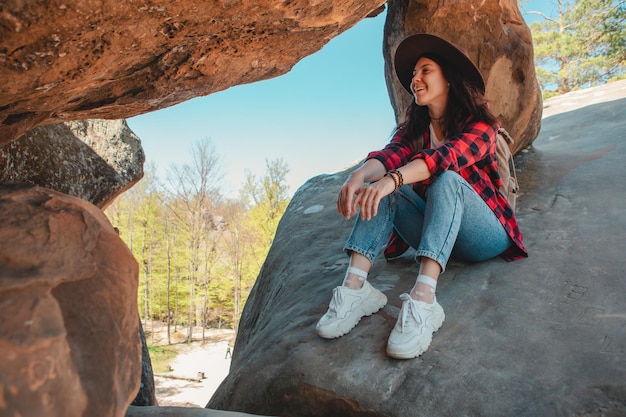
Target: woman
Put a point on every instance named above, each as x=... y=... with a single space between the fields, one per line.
x=446 y=152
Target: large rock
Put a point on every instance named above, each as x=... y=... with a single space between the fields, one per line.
x=113 y=59
x=538 y=337
x=95 y=160
x=62 y=357
x=498 y=40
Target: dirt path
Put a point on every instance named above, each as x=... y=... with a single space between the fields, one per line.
x=208 y=361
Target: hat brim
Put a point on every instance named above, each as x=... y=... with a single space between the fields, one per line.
x=415 y=46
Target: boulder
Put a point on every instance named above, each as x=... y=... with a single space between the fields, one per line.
x=112 y=59
x=95 y=160
x=497 y=39
x=62 y=356
x=543 y=336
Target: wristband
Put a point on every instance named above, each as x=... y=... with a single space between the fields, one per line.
x=397 y=174
x=397 y=178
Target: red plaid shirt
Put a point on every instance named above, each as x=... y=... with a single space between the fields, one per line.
x=471 y=153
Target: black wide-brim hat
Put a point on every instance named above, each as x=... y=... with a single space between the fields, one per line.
x=415 y=46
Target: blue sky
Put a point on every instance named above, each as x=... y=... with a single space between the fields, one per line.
x=326 y=114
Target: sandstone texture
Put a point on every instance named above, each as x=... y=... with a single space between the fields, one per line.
x=95 y=160
x=497 y=39
x=61 y=356
x=539 y=337
x=110 y=59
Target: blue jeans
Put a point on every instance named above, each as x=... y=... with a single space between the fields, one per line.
x=453 y=221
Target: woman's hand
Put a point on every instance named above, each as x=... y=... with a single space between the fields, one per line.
x=355 y=193
x=345 y=200
x=368 y=198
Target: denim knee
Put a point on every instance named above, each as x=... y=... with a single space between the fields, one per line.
x=446 y=181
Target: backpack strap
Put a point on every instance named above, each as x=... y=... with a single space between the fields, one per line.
x=506 y=135
x=509 y=139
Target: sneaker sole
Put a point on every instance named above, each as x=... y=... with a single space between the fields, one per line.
x=418 y=350
x=379 y=301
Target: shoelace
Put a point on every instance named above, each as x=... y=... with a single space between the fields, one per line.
x=336 y=301
x=409 y=311
x=338 y=304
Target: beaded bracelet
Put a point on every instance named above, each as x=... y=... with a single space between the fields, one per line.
x=394 y=178
x=397 y=178
x=400 y=178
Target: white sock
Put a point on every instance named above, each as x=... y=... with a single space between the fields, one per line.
x=355 y=278
x=424 y=289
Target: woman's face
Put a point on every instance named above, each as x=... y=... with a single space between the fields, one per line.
x=429 y=86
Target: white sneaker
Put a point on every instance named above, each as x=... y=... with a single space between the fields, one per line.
x=414 y=329
x=347 y=307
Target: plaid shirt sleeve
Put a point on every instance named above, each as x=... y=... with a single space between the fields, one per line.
x=471 y=153
x=397 y=153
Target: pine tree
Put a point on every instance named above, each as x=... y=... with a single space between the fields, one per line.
x=583 y=46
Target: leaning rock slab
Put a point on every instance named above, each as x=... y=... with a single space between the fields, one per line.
x=540 y=337
x=113 y=59
x=95 y=160
x=68 y=308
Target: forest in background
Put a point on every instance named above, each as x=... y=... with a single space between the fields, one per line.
x=199 y=251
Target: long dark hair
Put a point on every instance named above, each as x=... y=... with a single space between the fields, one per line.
x=465 y=101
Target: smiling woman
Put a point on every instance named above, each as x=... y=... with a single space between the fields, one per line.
x=430 y=88
x=445 y=153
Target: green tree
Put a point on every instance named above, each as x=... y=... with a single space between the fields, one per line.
x=584 y=46
x=137 y=215
x=238 y=243
x=267 y=197
x=195 y=190
x=263 y=202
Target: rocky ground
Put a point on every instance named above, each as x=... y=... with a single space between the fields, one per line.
x=540 y=337
x=197 y=370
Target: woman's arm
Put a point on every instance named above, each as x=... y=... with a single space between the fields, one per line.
x=465 y=149
x=414 y=171
x=368 y=197
x=372 y=170
x=355 y=191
